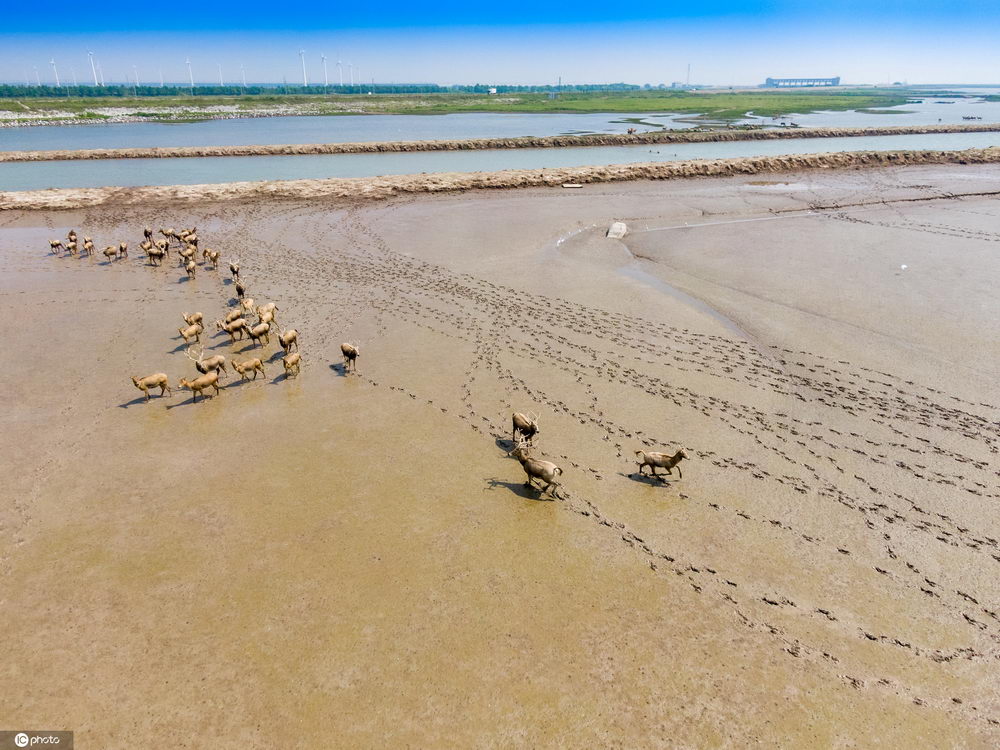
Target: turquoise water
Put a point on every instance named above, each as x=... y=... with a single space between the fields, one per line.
x=131 y=172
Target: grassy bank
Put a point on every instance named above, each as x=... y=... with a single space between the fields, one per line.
x=717 y=105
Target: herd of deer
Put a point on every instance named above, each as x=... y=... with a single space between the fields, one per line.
x=236 y=324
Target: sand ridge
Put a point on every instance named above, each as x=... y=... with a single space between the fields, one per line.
x=380 y=188
x=555 y=141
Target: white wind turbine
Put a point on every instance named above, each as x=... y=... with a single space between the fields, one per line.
x=92 y=68
x=221 y=83
x=326 y=77
x=302 y=58
x=52 y=62
x=190 y=74
x=340 y=71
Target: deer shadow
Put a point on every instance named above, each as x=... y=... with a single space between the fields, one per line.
x=520 y=489
x=184 y=279
x=658 y=481
x=226 y=281
x=141 y=400
x=179 y=348
x=283 y=376
x=340 y=368
x=274 y=357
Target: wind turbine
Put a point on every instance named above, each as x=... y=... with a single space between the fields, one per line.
x=52 y=62
x=135 y=72
x=92 y=68
x=221 y=83
x=302 y=58
x=350 y=70
x=190 y=74
x=37 y=79
x=100 y=72
x=243 y=75
x=340 y=70
x=326 y=78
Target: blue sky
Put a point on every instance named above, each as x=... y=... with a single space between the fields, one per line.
x=726 y=42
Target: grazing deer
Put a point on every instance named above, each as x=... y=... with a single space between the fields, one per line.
x=288 y=339
x=662 y=461
x=110 y=252
x=155 y=380
x=291 y=362
x=544 y=471
x=350 y=353
x=525 y=426
x=192 y=318
x=259 y=332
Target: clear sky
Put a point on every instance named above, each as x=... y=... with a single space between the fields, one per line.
x=726 y=42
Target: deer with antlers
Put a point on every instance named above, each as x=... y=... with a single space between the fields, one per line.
x=525 y=425
x=209 y=364
x=543 y=471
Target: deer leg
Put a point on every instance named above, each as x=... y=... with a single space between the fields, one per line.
x=146 y=394
x=680 y=474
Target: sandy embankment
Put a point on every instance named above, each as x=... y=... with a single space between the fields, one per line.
x=555 y=141
x=375 y=188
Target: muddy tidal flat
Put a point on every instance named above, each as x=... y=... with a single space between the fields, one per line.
x=351 y=559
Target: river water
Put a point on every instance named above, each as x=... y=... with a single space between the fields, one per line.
x=361 y=128
x=189 y=171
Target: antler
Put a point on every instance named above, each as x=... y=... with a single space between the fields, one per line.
x=187 y=353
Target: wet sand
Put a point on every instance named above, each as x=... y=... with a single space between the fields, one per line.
x=353 y=560
x=553 y=141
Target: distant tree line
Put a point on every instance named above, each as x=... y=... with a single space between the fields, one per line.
x=13 y=91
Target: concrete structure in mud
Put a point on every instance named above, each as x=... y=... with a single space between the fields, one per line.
x=789 y=83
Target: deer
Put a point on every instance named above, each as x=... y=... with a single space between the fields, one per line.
x=155 y=380
x=123 y=250
x=544 y=471
x=234 y=269
x=248 y=365
x=247 y=304
x=191 y=332
x=211 y=255
x=259 y=332
x=147 y=234
x=662 y=461
x=525 y=426
x=156 y=254
x=190 y=268
x=199 y=384
x=240 y=290
x=192 y=318
x=71 y=247
x=350 y=353
x=186 y=254
x=288 y=339
x=211 y=364
x=291 y=362
x=55 y=246
x=72 y=235
x=233 y=315
x=232 y=328
x=267 y=317
x=88 y=247
x=110 y=252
